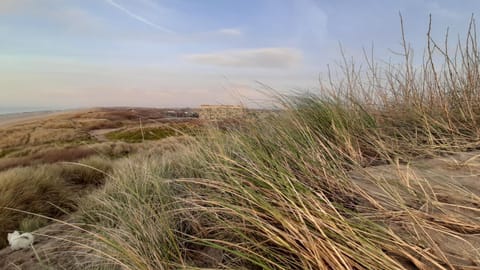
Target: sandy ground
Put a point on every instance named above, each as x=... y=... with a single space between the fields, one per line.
x=20 y=118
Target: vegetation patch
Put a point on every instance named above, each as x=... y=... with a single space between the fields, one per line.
x=94 y=124
x=136 y=135
x=7 y=151
x=46 y=157
x=50 y=190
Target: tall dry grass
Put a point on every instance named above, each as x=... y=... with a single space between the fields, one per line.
x=51 y=190
x=293 y=191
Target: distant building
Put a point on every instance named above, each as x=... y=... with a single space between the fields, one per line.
x=182 y=113
x=171 y=113
x=217 y=112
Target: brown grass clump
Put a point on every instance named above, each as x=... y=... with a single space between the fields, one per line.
x=50 y=190
x=58 y=124
x=89 y=172
x=35 y=135
x=156 y=132
x=37 y=190
x=13 y=137
x=94 y=124
x=46 y=157
x=43 y=135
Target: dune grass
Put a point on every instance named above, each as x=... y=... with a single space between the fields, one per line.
x=52 y=190
x=137 y=135
x=297 y=191
x=31 y=156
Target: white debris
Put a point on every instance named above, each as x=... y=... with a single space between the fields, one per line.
x=20 y=241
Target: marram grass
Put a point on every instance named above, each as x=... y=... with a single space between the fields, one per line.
x=297 y=190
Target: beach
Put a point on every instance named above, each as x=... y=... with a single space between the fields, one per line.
x=15 y=118
x=18 y=118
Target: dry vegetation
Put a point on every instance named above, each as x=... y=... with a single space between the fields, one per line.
x=155 y=132
x=297 y=189
x=72 y=136
x=38 y=162
x=51 y=190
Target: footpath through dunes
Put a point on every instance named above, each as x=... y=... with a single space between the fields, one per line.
x=429 y=203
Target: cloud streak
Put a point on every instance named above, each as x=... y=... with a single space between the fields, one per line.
x=231 y=32
x=138 y=17
x=261 y=58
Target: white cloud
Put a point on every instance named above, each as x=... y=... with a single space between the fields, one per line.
x=262 y=58
x=231 y=32
x=138 y=17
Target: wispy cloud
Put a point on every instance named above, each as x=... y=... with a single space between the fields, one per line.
x=262 y=58
x=138 y=17
x=230 y=32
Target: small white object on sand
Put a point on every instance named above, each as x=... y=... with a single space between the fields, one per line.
x=20 y=241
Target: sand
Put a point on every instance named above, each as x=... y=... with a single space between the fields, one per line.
x=7 y=120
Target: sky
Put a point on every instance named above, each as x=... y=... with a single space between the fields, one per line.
x=178 y=53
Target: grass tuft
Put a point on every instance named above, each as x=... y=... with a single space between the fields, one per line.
x=50 y=190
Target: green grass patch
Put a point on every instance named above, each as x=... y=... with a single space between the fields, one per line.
x=137 y=135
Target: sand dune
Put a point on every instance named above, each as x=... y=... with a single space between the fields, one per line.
x=19 y=118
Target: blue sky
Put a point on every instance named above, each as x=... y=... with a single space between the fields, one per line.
x=82 y=53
